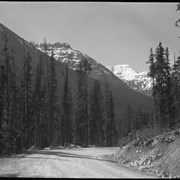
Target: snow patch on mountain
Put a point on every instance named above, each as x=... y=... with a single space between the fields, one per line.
x=64 y=53
x=123 y=71
x=138 y=81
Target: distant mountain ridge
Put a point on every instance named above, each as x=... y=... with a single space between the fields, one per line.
x=64 y=53
x=140 y=82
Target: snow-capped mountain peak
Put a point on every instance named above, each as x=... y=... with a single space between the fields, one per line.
x=64 y=53
x=137 y=81
x=124 y=71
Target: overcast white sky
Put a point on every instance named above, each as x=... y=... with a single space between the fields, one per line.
x=111 y=33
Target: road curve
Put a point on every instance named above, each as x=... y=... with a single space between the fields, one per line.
x=66 y=163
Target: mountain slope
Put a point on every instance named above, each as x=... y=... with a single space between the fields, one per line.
x=140 y=82
x=122 y=94
x=65 y=54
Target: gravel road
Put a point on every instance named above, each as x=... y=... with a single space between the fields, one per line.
x=66 y=163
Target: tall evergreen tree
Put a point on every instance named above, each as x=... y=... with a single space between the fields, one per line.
x=167 y=89
x=26 y=88
x=2 y=107
x=82 y=124
x=160 y=71
x=152 y=75
x=15 y=115
x=129 y=118
x=175 y=92
x=6 y=95
x=46 y=87
x=110 y=125
x=66 y=125
x=39 y=105
x=53 y=104
x=97 y=116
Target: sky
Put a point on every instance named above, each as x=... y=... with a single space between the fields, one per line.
x=110 y=32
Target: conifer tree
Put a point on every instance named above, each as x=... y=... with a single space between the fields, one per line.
x=175 y=92
x=66 y=125
x=39 y=105
x=129 y=118
x=160 y=71
x=167 y=89
x=152 y=75
x=53 y=104
x=82 y=124
x=2 y=107
x=6 y=123
x=107 y=117
x=26 y=88
x=15 y=115
x=110 y=125
x=96 y=116
x=46 y=86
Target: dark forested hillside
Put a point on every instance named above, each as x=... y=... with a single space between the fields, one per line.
x=31 y=79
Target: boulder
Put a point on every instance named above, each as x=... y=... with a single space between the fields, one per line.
x=47 y=148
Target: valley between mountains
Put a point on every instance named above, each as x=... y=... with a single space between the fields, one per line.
x=53 y=97
x=63 y=114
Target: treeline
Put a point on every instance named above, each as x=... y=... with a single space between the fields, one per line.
x=32 y=112
x=166 y=88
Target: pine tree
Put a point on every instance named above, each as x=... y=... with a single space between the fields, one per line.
x=129 y=118
x=53 y=104
x=92 y=120
x=46 y=87
x=66 y=125
x=163 y=84
x=26 y=88
x=175 y=92
x=39 y=105
x=6 y=85
x=159 y=82
x=2 y=94
x=97 y=116
x=160 y=72
x=82 y=124
x=167 y=89
x=110 y=125
x=152 y=75
x=2 y=107
x=15 y=115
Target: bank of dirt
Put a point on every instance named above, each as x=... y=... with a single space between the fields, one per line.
x=159 y=155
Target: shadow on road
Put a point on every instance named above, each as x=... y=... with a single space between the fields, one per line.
x=10 y=175
x=70 y=155
x=32 y=157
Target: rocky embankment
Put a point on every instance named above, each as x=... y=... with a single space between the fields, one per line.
x=159 y=155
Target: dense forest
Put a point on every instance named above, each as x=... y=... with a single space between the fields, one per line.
x=32 y=112
x=166 y=88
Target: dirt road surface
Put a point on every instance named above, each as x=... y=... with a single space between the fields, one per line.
x=66 y=163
